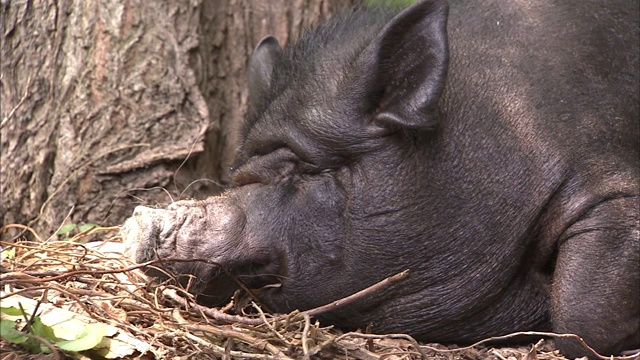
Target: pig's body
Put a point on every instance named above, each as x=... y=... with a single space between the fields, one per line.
x=504 y=174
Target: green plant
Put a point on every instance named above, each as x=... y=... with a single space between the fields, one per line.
x=34 y=331
x=68 y=231
x=7 y=254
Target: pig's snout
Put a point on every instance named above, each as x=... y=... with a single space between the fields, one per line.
x=185 y=229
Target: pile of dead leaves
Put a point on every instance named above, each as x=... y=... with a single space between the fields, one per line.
x=72 y=299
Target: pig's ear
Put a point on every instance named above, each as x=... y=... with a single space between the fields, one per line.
x=408 y=62
x=261 y=66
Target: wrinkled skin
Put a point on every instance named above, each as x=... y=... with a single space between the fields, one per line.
x=496 y=156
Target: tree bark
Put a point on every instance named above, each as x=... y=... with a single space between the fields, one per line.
x=107 y=105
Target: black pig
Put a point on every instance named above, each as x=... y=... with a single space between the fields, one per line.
x=497 y=157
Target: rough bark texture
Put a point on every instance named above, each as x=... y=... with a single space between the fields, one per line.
x=102 y=102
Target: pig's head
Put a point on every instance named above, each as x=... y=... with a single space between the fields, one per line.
x=325 y=198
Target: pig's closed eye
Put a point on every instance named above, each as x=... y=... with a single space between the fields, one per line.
x=311 y=169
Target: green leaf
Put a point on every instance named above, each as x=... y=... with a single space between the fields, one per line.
x=87 y=227
x=7 y=254
x=65 y=229
x=11 y=311
x=88 y=339
x=8 y=332
x=38 y=328
x=45 y=331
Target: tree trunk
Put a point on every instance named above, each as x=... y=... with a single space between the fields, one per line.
x=107 y=105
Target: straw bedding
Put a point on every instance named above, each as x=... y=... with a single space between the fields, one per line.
x=74 y=281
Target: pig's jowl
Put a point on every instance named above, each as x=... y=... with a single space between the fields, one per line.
x=490 y=147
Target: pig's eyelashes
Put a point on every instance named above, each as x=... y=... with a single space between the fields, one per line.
x=311 y=169
x=242 y=178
